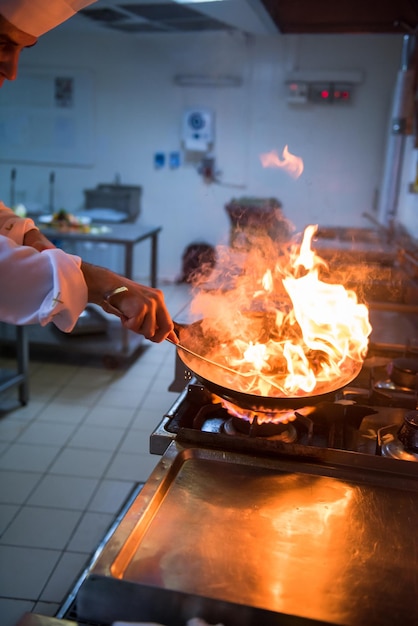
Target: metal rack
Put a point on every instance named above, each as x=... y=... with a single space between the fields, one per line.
x=115 y=345
x=20 y=376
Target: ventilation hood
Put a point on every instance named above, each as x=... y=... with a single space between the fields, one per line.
x=251 y=16
x=137 y=17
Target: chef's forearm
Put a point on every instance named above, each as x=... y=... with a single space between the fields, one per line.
x=100 y=281
x=41 y=287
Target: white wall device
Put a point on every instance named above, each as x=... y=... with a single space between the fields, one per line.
x=198 y=129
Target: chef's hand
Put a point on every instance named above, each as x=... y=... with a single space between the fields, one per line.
x=141 y=309
x=35 y=239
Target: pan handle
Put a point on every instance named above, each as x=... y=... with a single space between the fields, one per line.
x=178 y=327
x=209 y=361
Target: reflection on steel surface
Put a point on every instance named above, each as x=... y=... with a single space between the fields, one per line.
x=289 y=537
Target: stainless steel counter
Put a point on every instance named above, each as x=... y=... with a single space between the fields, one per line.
x=394 y=327
x=381 y=272
x=213 y=529
x=113 y=345
x=125 y=235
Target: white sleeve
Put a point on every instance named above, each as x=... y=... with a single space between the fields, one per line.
x=13 y=226
x=40 y=287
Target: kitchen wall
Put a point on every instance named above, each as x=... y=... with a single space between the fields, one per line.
x=138 y=111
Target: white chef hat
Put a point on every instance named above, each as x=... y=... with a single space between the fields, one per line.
x=36 y=17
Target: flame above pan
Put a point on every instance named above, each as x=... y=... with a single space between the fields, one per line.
x=283 y=330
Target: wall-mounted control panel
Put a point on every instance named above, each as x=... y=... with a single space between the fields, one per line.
x=322 y=86
x=301 y=92
x=331 y=93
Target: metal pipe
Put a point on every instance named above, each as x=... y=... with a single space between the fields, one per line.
x=12 y=188
x=401 y=125
x=51 y=191
x=406 y=53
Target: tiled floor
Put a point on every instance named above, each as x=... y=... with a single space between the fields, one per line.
x=68 y=462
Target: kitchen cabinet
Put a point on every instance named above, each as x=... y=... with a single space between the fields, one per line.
x=19 y=376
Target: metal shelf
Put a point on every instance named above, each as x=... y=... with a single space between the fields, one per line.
x=20 y=376
x=110 y=348
x=114 y=345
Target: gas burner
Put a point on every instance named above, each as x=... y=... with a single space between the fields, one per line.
x=285 y=432
x=260 y=418
x=400 y=443
x=362 y=420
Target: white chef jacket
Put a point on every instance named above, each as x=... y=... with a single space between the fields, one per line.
x=37 y=287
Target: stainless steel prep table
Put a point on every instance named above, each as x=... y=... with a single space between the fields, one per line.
x=19 y=377
x=116 y=345
x=127 y=235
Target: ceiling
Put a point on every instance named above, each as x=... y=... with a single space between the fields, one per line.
x=344 y=16
x=251 y=16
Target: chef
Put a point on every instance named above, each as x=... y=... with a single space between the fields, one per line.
x=40 y=283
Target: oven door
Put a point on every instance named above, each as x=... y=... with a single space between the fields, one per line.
x=239 y=539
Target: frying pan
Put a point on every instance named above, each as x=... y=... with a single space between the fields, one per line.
x=223 y=381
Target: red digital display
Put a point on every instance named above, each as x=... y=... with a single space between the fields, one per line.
x=341 y=94
x=330 y=93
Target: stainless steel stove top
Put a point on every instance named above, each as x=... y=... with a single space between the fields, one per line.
x=365 y=419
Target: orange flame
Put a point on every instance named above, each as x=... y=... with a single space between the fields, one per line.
x=290 y=163
x=281 y=328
